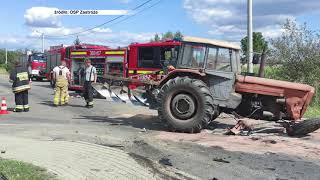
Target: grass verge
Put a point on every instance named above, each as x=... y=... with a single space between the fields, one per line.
x=3 y=70
x=313 y=111
x=16 y=170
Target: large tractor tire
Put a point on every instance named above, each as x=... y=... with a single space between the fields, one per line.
x=186 y=104
x=305 y=127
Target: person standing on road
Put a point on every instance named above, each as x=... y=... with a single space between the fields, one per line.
x=61 y=75
x=90 y=76
x=20 y=87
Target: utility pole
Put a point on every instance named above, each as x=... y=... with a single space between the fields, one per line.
x=6 y=56
x=42 y=42
x=250 y=38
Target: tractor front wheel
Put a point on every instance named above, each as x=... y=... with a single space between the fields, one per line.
x=186 y=104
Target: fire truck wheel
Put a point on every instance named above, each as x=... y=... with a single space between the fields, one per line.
x=186 y=104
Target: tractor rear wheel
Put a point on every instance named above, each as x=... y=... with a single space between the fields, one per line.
x=186 y=104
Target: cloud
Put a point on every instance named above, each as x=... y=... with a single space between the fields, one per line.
x=228 y=18
x=56 y=32
x=15 y=41
x=103 y=36
x=102 y=30
x=42 y=17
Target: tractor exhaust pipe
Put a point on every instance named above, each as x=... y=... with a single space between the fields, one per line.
x=262 y=62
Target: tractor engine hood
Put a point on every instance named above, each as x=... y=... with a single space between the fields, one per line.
x=297 y=96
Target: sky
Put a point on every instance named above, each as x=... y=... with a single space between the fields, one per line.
x=23 y=21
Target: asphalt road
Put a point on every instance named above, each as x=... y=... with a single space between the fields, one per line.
x=135 y=131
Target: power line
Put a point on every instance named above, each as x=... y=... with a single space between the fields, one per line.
x=139 y=12
x=133 y=15
x=112 y=20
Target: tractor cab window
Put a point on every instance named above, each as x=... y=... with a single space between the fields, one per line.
x=165 y=54
x=224 y=60
x=212 y=58
x=169 y=55
x=193 y=56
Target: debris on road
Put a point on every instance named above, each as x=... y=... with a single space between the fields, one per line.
x=220 y=160
x=239 y=128
x=269 y=141
x=249 y=126
x=165 y=161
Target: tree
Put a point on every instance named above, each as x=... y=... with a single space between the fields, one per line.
x=13 y=56
x=168 y=35
x=178 y=35
x=297 y=51
x=77 y=41
x=156 y=38
x=259 y=43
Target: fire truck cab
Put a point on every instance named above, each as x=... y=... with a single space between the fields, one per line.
x=36 y=63
x=147 y=57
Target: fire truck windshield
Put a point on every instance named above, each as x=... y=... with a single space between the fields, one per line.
x=38 y=58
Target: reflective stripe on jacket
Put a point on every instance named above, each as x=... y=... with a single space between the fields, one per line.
x=20 y=78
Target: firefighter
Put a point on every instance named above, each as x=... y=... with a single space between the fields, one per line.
x=21 y=84
x=90 y=76
x=61 y=76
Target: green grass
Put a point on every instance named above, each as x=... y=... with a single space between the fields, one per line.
x=16 y=170
x=3 y=70
x=313 y=111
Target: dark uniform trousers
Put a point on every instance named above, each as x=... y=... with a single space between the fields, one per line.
x=88 y=92
x=21 y=99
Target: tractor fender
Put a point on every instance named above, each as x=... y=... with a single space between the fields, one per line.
x=192 y=73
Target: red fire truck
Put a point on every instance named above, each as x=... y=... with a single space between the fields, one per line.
x=36 y=63
x=105 y=59
x=144 y=58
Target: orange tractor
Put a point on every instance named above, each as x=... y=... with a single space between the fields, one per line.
x=199 y=80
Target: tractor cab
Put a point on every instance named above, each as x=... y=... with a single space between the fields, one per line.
x=210 y=55
x=215 y=62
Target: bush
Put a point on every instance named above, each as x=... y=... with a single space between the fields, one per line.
x=297 y=55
